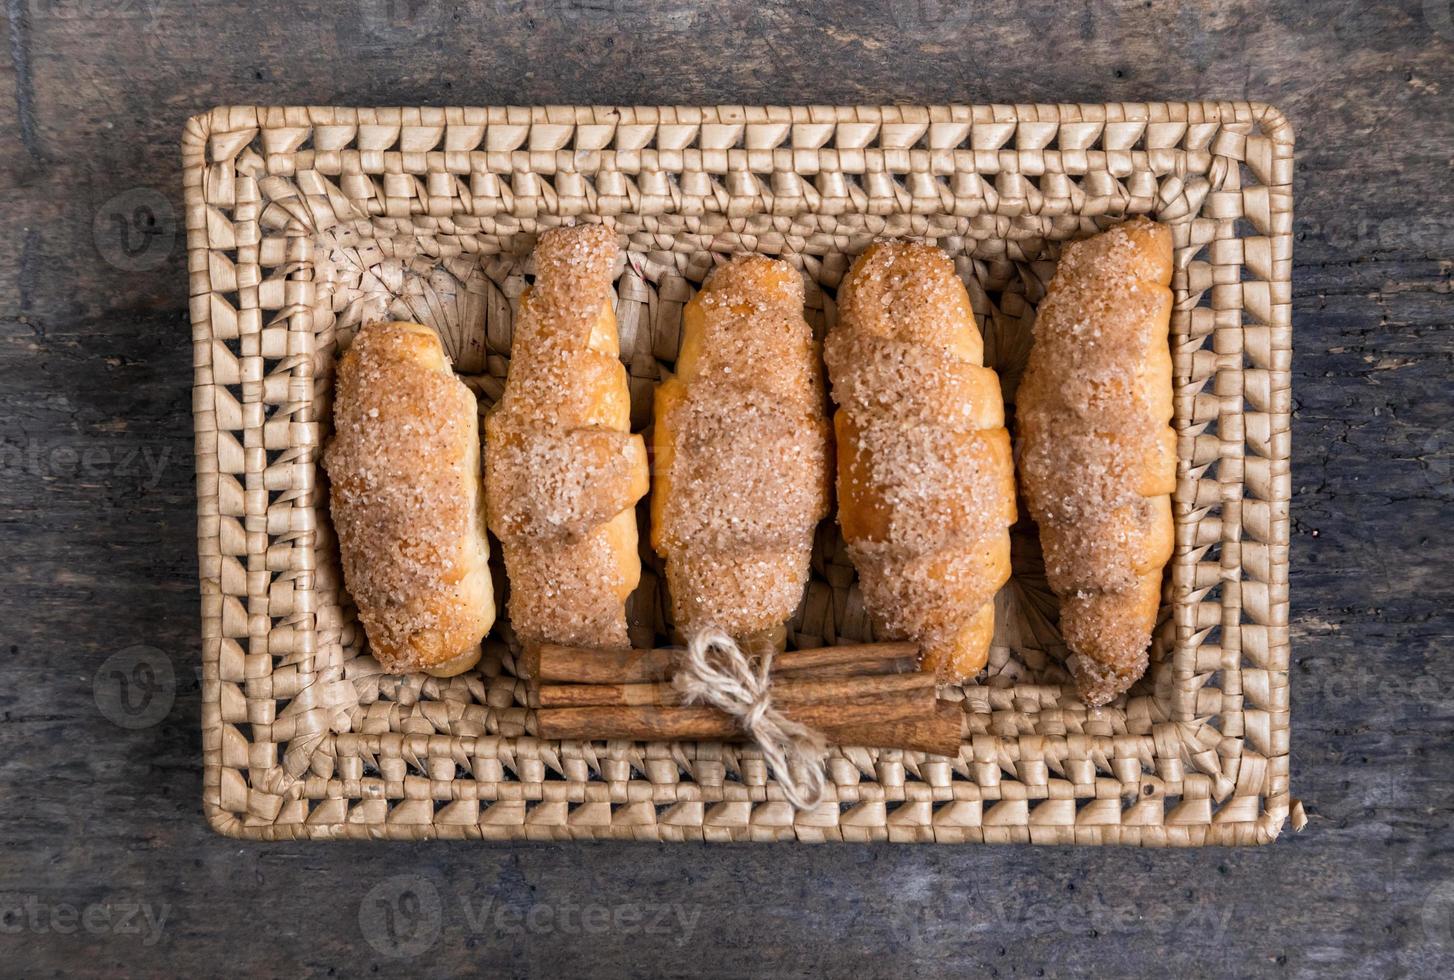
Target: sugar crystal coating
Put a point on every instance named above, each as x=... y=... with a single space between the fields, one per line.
x=1097 y=455
x=925 y=474
x=563 y=472
x=743 y=463
x=406 y=500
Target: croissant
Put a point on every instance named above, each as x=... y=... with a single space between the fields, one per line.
x=1098 y=456
x=742 y=457
x=563 y=472
x=926 y=490
x=407 y=503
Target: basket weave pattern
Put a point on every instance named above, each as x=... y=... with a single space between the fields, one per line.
x=304 y=223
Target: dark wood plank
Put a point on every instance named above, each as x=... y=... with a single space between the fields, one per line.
x=96 y=519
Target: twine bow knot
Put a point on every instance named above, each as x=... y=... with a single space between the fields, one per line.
x=716 y=671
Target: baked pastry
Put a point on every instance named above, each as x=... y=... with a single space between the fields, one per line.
x=1098 y=456
x=926 y=486
x=562 y=470
x=407 y=501
x=742 y=457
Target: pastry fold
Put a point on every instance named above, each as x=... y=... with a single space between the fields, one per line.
x=407 y=502
x=1098 y=455
x=563 y=472
x=926 y=490
x=743 y=469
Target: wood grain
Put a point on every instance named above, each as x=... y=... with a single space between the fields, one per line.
x=97 y=525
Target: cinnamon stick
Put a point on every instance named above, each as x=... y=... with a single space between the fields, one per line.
x=848 y=660
x=937 y=733
x=792 y=689
x=892 y=722
x=549 y=662
x=702 y=721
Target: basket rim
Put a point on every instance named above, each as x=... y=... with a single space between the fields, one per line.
x=199 y=128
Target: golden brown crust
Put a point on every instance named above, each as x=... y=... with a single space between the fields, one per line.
x=925 y=477
x=1098 y=459
x=563 y=471
x=743 y=470
x=407 y=501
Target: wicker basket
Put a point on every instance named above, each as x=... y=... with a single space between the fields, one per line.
x=305 y=222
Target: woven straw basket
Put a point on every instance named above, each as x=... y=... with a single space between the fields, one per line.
x=304 y=223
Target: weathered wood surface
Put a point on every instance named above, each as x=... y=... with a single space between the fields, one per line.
x=96 y=518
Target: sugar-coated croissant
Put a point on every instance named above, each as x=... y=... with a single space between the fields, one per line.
x=1098 y=457
x=742 y=456
x=926 y=491
x=563 y=471
x=407 y=501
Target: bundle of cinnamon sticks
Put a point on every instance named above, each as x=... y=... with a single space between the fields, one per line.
x=868 y=694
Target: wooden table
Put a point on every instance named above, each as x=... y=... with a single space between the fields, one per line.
x=106 y=866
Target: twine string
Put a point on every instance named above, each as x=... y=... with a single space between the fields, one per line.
x=717 y=672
